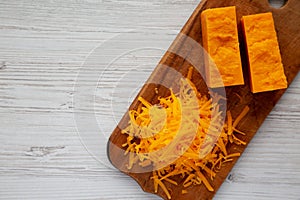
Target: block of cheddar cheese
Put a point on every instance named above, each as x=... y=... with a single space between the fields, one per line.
x=265 y=66
x=220 y=40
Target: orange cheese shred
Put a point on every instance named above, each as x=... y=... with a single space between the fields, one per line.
x=154 y=127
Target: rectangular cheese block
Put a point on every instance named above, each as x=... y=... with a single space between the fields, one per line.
x=220 y=40
x=265 y=66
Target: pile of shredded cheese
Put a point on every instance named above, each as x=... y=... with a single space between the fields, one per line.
x=199 y=152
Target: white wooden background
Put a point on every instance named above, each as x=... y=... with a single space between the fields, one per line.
x=43 y=45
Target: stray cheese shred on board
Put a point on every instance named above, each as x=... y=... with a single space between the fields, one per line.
x=158 y=124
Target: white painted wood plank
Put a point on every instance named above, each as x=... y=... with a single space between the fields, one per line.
x=43 y=45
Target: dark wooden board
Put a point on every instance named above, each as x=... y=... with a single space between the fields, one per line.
x=287 y=23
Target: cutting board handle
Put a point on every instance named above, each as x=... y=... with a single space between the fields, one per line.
x=287 y=5
x=266 y=4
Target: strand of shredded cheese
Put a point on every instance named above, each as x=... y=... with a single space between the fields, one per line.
x=193 y=169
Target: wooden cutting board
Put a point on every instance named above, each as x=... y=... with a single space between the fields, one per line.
x=182 y=54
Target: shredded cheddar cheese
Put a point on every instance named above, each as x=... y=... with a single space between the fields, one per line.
x=198 y=153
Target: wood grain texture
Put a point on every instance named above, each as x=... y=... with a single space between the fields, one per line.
x=42 y=46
